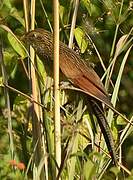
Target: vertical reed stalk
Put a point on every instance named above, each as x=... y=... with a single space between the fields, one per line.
x=56 y=85
x=73 y=23
x=26 y=15
x=36 y=109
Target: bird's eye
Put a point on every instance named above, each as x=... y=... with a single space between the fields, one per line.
x=34 y=35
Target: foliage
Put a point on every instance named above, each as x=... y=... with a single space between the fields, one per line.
x=103 y=36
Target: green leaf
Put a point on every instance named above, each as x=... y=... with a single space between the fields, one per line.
x=72 y=161
x=17 y=15
x=42 y=73
x=8 y=4
x=89 y=170
x=80 y=38
x=16 y=45
x=61 y=12
x=115 y=133
x=10 y=60
x=1 y=81
x=120 y=121
x=87 y=4
x=120 y=45
x=117 y=84
x=115 y=170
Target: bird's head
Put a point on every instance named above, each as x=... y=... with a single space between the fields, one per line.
x=41 y=40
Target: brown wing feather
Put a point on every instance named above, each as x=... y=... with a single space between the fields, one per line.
x=90 y=89
x=73 y=66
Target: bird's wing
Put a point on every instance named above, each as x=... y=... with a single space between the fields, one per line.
x=74 y=66
x=92 y=76
x=91 y=89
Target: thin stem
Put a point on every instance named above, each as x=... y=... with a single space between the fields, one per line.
x=73 y=23
x=56 y=85
x=47 y=18
x=26 y=13
x=4 y=74
x=108 y=77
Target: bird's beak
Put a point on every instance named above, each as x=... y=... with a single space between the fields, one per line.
x=23 y=38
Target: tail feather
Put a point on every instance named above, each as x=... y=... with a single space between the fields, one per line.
x=104 y=126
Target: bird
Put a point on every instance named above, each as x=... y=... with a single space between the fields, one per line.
x=80 y=74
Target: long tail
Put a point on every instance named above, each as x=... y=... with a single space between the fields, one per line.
x=104 y=126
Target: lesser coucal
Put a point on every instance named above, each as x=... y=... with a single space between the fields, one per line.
x=79 y=73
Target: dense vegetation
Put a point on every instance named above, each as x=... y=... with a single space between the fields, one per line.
x=108 y=47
